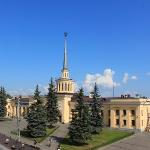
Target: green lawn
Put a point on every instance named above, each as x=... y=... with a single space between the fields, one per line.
x=106 y=137
x=49 y=132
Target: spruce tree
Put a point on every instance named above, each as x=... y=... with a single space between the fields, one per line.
x=36 y=118
x=3 y=102
x=52 y=105
x=79 y=130
x=96 y=112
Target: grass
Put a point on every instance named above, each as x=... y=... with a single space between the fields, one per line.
x=25 y=134
x=107 y=136
x=5 y=119
x=49 y=132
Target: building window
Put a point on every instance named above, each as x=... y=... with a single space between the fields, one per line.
x=109 y=113
x=124 y=122
x=133 y=112
x=117 y=122
x=124 y=112
x=133 y=123
x=68 y=87
x=117 y=113
x=142 y=112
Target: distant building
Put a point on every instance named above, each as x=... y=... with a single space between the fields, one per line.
x=25 y=102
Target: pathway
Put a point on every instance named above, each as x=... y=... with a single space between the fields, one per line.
x=3 y=148
x=58 y=135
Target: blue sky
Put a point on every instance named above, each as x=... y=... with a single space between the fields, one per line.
x=103 y=35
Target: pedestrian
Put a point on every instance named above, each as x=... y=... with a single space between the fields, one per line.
x=50 y=141
x=59 y=148
x=35 y=142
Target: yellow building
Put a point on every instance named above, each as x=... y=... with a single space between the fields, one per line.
x=24 y=104
x=122 y=112
x=127 y=113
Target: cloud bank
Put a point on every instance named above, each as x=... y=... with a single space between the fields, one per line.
x=105 y=80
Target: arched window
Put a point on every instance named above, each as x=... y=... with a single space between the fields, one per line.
x=68 y=87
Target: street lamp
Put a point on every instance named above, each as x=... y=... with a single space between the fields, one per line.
x=18 y=117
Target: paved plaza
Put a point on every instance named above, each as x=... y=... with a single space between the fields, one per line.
x=7 y=126
x=139 y=141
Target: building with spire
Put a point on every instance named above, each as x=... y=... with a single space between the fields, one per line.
x=65 y=88
x=123 y=112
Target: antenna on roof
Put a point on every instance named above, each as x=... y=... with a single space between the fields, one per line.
x=113 y=90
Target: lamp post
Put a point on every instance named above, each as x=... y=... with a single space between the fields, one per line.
x=18 y=118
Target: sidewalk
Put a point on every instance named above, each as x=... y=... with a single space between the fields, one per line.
x=3 y=148
x=58 y=135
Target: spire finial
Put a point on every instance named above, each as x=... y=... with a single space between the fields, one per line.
x=65 y=51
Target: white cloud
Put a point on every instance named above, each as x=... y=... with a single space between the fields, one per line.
x=76 y=87
x=45 y=89
x=127 y=77
x=22 y=92
x=134 y=78
x=148 y=73
x=105 y=80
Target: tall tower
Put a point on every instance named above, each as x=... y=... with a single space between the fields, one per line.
x=65 y=84
x=65 y=88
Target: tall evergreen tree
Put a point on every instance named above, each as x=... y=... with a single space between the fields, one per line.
x=3 y=102
x=96 y=112
x=79 y=130
x=52 y=105
x=36 y=118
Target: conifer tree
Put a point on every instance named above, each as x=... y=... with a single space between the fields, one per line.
x=36 y=118
x=96 y=112
x=79 y=130
x=3 y=102
x=52 y=105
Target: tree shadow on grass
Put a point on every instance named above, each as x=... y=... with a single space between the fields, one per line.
x=67 y=141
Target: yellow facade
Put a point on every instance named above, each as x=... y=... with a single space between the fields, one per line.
x=130 y=113
x=11 y=107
